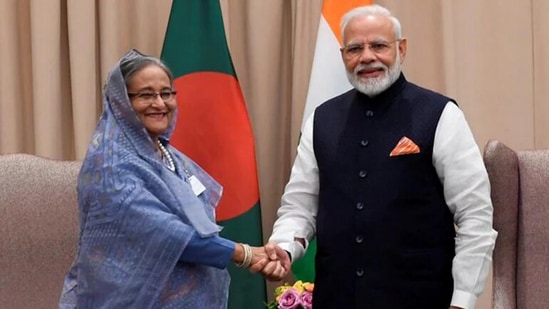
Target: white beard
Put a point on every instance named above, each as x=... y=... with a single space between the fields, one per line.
x=375 y=85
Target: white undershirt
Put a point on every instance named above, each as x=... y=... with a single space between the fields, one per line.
x=460 y=168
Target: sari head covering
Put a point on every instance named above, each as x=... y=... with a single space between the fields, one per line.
x=137 y=217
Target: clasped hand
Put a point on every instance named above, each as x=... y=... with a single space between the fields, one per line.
x=271 y=261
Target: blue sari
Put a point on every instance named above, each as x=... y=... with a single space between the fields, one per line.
x=137 y=217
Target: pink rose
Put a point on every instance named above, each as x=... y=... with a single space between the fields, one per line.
x=307 y=300
x=289 y=300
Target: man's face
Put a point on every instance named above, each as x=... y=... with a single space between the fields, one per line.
x=371 y=53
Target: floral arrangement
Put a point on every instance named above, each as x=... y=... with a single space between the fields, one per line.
x=297 y=296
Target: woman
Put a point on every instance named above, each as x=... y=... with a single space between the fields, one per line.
x=148 y=237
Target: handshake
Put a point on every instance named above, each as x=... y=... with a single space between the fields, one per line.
x=270 y=260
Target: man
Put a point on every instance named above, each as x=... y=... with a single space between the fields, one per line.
x=389 y=179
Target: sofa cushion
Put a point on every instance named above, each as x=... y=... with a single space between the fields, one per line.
x=38 y=229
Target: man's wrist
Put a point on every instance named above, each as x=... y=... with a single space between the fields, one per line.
x=289 y=255
x=301 y=241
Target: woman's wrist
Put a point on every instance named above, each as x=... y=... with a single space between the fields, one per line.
x=238 y=254
x=243 y=255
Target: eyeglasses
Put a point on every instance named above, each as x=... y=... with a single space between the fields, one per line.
x=150 y=96
x=354 y=50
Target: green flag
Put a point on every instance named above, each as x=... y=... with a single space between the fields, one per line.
x=213 y=129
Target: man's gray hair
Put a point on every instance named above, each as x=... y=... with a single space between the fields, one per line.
x=370 y=10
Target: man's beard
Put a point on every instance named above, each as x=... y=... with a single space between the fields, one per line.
x=375 y=85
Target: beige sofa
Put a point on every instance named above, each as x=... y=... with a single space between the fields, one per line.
x=520 y=193
x=38 y=229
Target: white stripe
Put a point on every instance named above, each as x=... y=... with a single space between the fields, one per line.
x=328 y=78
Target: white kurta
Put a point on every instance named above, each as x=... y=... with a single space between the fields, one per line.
x=460 y=168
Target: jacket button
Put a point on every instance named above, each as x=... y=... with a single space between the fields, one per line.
x=359 y=272
x=362 y=174
x=369 y=113
x=359 y=239
x=364 y=143
x=359 y=205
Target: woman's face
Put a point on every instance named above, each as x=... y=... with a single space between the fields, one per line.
x=147 y=88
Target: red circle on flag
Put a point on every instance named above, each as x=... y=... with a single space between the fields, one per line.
x=214 y=130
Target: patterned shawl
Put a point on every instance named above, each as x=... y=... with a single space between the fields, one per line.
x=136 y=218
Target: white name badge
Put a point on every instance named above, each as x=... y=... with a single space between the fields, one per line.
x=196 y=185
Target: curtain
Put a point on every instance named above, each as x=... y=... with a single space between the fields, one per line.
x=55 y=54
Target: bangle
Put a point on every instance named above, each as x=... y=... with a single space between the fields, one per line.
x=248 y=254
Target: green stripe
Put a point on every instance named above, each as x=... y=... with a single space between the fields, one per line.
x=195 y=39
x=247 y=290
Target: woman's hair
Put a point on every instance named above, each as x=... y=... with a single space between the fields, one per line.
x=371 y=10
x=132 y=65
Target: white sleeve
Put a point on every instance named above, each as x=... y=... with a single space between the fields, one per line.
x=299 y=205
x=461 y=170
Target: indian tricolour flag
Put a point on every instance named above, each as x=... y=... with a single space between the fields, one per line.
x=328 y=79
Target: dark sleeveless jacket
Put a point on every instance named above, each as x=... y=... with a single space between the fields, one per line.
x=385 y=235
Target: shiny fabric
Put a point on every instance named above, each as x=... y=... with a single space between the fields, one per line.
x=137 y=216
